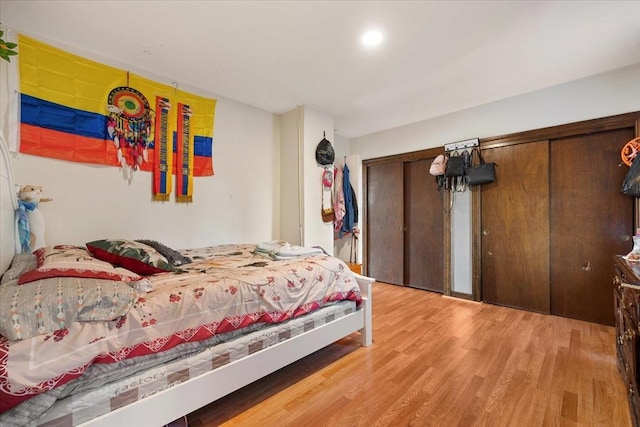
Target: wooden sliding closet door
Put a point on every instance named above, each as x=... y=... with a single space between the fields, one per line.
x=423 y=223
x=590 y=223
x=552 y=223
x=385 y=201
x=515 y=223
x=404 y=227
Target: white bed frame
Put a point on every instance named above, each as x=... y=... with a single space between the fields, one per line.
x=181 y=399
x=170 y=404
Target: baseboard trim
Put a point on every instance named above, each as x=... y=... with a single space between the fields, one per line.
x=460 y=295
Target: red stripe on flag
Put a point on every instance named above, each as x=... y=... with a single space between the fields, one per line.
x=64 y=146
x=202 y=166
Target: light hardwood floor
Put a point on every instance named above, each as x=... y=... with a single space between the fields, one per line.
x=439 y=361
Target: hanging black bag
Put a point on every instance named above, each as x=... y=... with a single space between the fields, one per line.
x=631 y=183
x=480 y=172
x=455 y=166
x=325 y=155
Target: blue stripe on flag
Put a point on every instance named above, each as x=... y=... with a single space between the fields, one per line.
x=48 y=115
x=202 y=145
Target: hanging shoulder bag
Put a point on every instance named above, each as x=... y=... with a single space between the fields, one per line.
x=480 y=172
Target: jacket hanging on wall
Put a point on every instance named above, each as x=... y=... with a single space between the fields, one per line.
x=338 y=202
x=354 y=202
x=351 y=206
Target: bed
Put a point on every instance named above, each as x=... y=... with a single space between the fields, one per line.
x=179 y=336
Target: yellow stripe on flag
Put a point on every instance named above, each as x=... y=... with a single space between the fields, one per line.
x=53 y=75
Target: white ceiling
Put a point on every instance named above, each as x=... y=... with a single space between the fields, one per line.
x=437 y=56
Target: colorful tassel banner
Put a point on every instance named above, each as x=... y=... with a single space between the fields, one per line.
x=184 y=156
x=163 y=162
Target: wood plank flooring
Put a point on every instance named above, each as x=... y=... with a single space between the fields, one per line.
x=439 y=361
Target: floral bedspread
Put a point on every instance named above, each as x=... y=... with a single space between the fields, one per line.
x=225 y=288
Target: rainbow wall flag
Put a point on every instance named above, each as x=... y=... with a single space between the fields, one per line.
x=63 y=108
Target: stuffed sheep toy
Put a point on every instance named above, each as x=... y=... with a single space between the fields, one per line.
x=30 y=220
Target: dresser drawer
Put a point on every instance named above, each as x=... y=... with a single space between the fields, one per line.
x=630 y=300
x=627 y=313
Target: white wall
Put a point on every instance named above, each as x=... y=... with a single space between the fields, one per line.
x=301 y=178
x=607 y=94
x=291 y=176
x=7 y=193
x=316 y=232
x=240 y=203
x=7 y=214
x=461 y=244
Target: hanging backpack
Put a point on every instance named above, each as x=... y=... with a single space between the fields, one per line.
x=455 y=165
x=325 y=155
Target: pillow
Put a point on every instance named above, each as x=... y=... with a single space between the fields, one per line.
x=134 y=256
x=21 y=263
x=73 y=261
x=174 y=257
x=47 y=305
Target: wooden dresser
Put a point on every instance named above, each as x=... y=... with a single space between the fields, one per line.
x=627 y=313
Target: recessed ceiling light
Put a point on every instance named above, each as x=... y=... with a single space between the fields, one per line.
x=372 y=38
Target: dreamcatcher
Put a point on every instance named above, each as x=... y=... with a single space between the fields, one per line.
x=129 y=126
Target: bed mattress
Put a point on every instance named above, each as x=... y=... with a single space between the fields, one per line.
x=76 y=409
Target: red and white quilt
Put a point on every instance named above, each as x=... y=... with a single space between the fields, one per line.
x=225 y=288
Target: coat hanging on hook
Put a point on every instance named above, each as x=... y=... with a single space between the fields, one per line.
x=325 y=155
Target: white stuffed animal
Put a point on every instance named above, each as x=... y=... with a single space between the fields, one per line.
x=31 y=195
